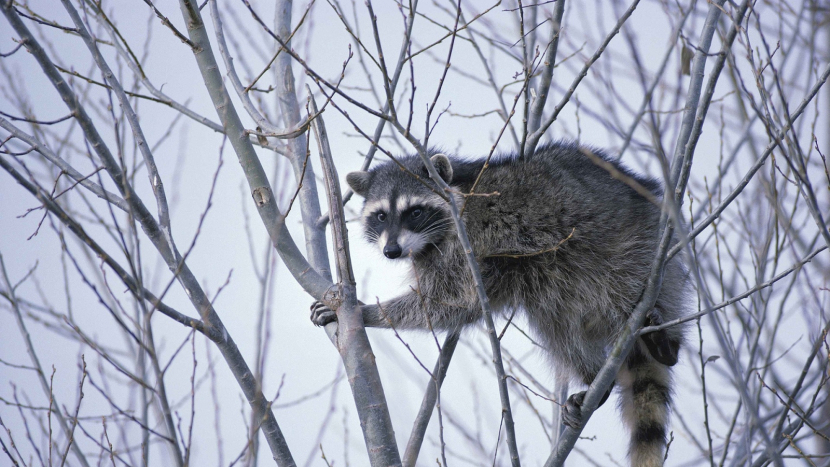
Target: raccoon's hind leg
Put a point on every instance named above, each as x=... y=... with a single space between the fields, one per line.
x=645 y=398
x=572 y=410
x=662 y=345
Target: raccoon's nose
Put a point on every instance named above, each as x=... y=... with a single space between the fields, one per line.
x=392 y=250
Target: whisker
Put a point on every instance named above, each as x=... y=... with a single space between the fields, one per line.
x=438 y=224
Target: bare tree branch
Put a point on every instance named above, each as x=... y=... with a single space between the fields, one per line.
x=352 y=341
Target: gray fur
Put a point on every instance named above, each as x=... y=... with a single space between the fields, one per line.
x=558 y=238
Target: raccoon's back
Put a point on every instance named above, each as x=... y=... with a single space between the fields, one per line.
x=526 y=203
x=557 y=216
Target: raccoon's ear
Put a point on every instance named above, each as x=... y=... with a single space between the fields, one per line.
x=359 y=182
x=443 y=166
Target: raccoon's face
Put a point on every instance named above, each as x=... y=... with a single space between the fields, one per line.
x=402 y=216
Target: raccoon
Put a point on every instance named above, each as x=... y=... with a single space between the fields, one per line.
x=558 y=238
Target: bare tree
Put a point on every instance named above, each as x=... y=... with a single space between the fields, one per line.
x=192 y=345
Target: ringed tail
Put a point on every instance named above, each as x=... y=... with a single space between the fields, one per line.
x=644 y=399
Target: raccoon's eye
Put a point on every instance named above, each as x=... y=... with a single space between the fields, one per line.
x=381 y=216
x=416 y=213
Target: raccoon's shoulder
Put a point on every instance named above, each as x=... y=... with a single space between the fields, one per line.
x=466 y=170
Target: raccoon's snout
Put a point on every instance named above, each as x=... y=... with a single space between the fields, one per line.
x=392 y=250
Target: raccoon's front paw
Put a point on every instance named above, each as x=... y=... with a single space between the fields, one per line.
x=322 y=315
x=572 y=410
x=661 y=347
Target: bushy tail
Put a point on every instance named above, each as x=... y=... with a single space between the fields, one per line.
x=645 y=398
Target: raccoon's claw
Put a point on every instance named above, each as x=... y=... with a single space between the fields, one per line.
x=572 y=410
x=321 y=315
x=660 y=346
